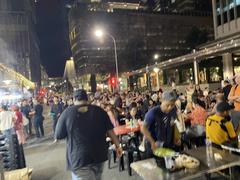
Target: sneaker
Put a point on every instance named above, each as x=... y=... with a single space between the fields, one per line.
x=55 y=141
x=108 y=139
x=141 y=147
x=112 y=147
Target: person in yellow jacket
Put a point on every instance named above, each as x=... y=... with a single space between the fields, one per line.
x=219 y=127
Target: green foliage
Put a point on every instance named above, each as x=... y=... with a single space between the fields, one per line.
x=93 y=83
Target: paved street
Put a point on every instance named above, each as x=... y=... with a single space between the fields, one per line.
x=48 y=160
x=48 y=163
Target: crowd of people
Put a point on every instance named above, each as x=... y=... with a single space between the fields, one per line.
x=168 y=118
x=193 y=107
x=21 y=117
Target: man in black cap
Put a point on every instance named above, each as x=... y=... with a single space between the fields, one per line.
x=85 y=126
x=219 y=127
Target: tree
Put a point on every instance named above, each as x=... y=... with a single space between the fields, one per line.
x=93 y=83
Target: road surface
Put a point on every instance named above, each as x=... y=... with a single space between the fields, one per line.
x=48 y=163
x=48 y=159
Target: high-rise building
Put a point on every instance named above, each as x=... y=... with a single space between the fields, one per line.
x=44 y=77
x=139 y=36
x=226 y=16
x=110 y=5
x=161 y=5
x=190 y=5
x=212 y=62
x=19 y=47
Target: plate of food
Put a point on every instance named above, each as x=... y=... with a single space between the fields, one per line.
x=186 y=161
x=165 y=158
x=163 y=152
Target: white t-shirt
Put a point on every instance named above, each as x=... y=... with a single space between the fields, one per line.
x=6 y=120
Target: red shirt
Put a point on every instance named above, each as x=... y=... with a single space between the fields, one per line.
x=19 y=120
x=198 y=116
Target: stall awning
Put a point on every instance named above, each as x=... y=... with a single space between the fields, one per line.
x=17 y=76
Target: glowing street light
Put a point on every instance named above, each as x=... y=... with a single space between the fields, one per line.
x=156 y=69
x=7 y=82
x=99 y=33
x=156 y=56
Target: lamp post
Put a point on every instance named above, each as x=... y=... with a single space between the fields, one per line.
x=156 y=56
x=99 y=33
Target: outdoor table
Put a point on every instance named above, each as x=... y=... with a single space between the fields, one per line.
x=121 y=131
x=148 y=169
x=124 y=129
x=230 y=148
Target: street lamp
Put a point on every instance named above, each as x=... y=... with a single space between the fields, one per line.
x=156 y=56
x=156 y=69
x=7 y=82
x=99 y=33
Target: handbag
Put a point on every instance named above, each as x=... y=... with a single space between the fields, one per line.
x=25 y=121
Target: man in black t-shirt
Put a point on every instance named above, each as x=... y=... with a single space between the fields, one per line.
x=38 y=118
x=85 y=127
x=226 y=89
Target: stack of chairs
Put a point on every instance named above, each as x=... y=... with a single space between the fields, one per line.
x=12 y=153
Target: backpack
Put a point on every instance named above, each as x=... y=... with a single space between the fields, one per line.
x=221 y=124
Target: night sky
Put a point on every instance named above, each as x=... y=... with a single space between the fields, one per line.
x=52 y=30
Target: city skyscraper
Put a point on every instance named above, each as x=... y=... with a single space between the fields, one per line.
x=110 y=5
x=142 y=37
x=161 y=5
x=191 y=5
x=19 y=47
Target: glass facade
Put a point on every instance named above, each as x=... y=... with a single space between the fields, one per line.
x=139 y=36
x=225 y=10
x=236 y=63
x=210 y=71
x=19 y=48
x=238 y=7
x=218 y=10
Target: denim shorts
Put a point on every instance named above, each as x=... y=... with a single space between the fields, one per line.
x=89 y=172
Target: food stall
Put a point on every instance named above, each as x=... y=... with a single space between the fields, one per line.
x=193 y=163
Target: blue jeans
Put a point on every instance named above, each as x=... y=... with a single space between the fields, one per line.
x=38 y=124
x=90 y=172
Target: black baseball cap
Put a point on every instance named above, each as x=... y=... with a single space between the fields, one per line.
x=80 y=95
x=223 y=106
